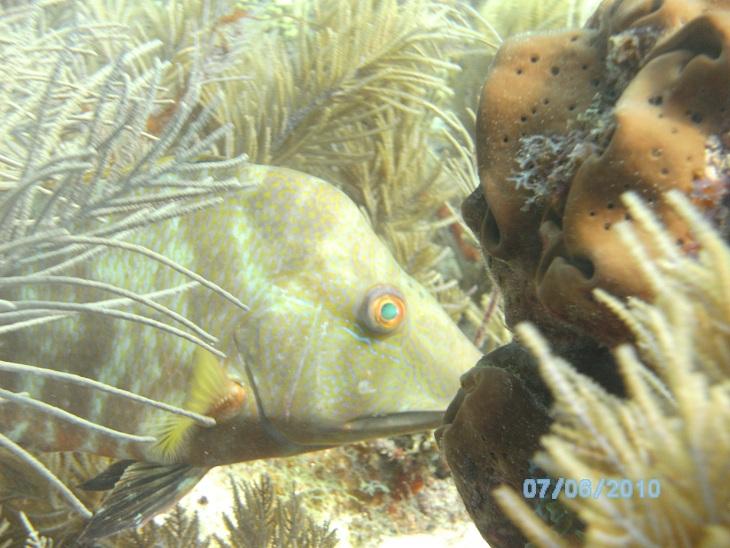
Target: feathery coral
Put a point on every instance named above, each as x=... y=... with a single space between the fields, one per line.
x=260 y=519
x=80 y=172
x=673 y=426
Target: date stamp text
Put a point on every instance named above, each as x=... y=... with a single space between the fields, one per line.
x=614 y=488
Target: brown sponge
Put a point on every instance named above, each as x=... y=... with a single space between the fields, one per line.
x=638 y=100
x=490 y=431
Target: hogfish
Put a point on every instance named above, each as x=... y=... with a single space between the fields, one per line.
x=339 y=344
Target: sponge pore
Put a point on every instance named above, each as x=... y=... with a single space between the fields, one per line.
x=635 y=101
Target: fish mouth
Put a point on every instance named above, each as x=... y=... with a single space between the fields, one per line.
x=390 y=424
x=359 y=429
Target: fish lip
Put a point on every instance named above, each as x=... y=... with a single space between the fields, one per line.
x=402 y=422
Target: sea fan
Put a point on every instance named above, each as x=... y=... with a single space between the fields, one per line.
x=79 y=171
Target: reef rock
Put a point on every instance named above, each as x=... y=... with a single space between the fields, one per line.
x=491 y=430
x=637 y=100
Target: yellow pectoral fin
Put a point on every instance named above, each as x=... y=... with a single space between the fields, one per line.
x=211 y=392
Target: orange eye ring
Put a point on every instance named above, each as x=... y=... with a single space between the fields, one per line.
x=383 y=309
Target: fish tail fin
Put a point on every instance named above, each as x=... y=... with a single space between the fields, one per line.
x=140 y=491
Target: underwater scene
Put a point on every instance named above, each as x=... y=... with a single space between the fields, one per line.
x=364 y=273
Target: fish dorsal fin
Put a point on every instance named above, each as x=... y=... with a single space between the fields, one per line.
x=211 y=392
x=143 y=490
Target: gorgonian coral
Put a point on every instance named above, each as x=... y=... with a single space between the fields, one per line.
x=673 y=426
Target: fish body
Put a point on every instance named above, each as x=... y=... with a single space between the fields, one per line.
x=306 y=367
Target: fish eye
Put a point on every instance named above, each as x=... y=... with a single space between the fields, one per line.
x=383 y=309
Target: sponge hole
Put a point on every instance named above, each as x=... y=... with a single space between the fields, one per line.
x=553 y=216
x=490 y=234
x=584 y=265
x=473 y=209
x=656 y=100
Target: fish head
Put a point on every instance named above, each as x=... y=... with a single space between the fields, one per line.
x=343 y=344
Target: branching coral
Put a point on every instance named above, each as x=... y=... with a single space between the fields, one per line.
x=180 y=528
x=25 y=492
x=4 y=528
x=261 y=520
x=260 y=517
x=80 y=171
x=673 y=426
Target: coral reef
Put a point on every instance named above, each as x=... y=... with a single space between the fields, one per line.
x=673 y=426
x=28 y=493
x=179 y=528
x=261 y=517
x=634 y=101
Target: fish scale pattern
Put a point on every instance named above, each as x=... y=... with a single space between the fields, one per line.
x=637 y=100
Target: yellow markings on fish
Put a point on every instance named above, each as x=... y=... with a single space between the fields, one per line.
x=212 y=393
